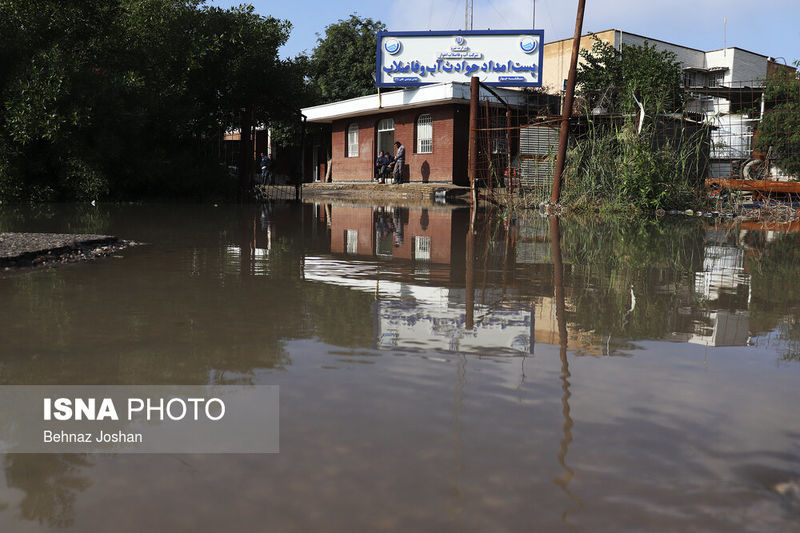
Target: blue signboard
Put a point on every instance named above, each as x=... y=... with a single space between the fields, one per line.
x=505 y=58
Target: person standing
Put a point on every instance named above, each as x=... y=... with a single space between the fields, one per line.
x=399 y=161
x=265 y=164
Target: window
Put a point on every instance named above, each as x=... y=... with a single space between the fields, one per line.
x=386 y=135
x=352 y=140
x=351 y=241
x=716 y=78
x=424 y=134
x=422 y=248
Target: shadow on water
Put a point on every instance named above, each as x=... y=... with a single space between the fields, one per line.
x=461 y=324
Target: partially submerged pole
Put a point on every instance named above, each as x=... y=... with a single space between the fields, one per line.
x=555 y=195
x=509 y=182
x=302 y=175
x=472 y=160
x=469 y=315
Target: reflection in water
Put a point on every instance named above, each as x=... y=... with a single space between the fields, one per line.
x=558 y=282
x=370 y=319
x=51 y=484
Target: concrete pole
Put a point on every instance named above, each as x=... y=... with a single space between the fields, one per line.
x=472 y=161
x=555 y=195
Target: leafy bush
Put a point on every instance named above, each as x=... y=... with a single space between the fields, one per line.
x=779 y=130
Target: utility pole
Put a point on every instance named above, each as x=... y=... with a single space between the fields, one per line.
x=472 y=157
x=555 y=195
x=468 y=8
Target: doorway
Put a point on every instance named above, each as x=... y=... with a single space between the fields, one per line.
x=385 y=141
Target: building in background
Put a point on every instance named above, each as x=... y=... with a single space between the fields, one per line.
x=432 y=120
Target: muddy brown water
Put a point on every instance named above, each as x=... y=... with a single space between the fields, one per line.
x=568 y=376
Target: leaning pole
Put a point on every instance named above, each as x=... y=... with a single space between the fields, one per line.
x=555 y=195
x=472 y=157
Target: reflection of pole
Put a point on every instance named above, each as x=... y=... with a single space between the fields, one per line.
x=470 y=292
x=509 y=182
x=472 y=159
x=489 y=135
x=558 y=282
x=558 y=279
x=555 y=195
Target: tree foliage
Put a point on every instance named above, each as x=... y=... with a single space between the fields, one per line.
x=610 y=78
x=779 y=130
x=342 y=65
x=129 y=98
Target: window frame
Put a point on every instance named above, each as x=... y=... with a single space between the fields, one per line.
x=418 y=145
x=351 y=143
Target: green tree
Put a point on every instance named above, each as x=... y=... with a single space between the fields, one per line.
x=610 y=78
x=342 y=64
x=779 y=130
x=130 y=98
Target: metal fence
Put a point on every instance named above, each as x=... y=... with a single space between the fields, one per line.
x=751 y=131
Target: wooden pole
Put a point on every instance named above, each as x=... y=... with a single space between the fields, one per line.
x=509 y=182
x=472 y=161
x=469 y=315
x=555 y=195
x=488 y=148
x=299 y=179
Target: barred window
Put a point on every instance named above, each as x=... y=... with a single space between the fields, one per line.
x=352 y=140
x=424 y=134
x=351 y=241
x=422 y=248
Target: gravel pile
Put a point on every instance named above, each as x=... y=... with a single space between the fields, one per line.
x=35 y=249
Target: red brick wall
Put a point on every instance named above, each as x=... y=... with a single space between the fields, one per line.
x=438 y=225
x=449 y=148
x=345 y=218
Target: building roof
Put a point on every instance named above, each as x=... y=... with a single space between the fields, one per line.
x=649 y=39
x=427 y=95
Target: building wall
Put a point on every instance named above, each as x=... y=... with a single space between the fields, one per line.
x=689 y=57
x=437 y=166
x=358 y=219
x=556 y=58
x=747 y=66
x=437 y=224
x=742 y=65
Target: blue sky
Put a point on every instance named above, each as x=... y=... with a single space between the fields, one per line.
x=769 y=27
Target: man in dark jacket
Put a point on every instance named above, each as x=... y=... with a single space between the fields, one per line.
x=399 y=161
x=381 y=165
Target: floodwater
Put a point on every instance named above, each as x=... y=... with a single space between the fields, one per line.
x=569 y=376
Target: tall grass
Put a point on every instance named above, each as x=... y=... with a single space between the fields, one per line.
x=614 y=167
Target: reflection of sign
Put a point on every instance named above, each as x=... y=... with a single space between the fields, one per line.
x=503 y=57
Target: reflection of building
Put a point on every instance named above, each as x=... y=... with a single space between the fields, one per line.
x=423 y=235
x=413 y=261
x=411 y=316
x=723 y=328
x=724 y=287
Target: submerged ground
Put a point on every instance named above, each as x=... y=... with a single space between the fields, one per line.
x=528 y=374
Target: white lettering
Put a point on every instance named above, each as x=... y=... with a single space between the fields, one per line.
x=180 y=402
x=221 y=408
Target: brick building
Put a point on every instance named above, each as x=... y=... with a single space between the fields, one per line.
x=432 y=122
